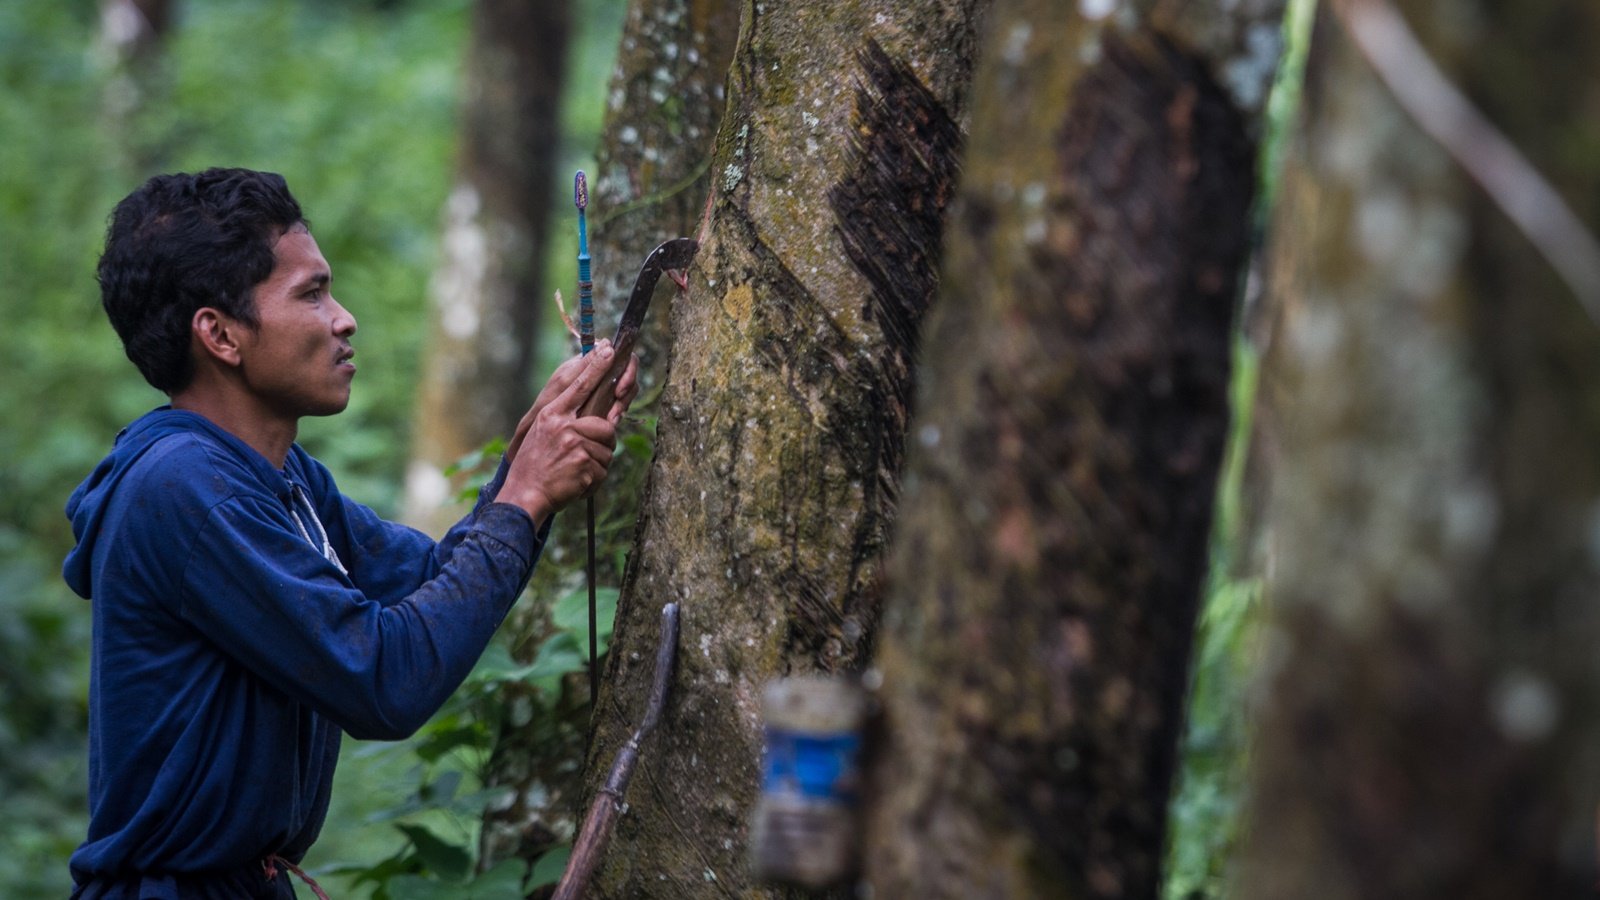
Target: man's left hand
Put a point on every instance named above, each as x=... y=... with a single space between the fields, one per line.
x=627 y=391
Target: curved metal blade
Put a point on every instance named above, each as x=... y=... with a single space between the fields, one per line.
x=674 y=254
x=677 y=253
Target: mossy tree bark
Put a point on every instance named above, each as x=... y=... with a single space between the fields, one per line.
x=1429 y=405
x=666 y=100
x=783 y=416
x=1072 y=415
x=486 y=291
x=665 y=105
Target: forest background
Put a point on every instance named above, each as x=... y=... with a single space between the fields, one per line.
x=357 y=103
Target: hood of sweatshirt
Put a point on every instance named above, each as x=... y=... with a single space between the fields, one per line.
x=87 y=505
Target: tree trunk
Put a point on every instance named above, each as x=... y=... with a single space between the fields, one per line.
x=1428 y=398
x=783 y=417
x=1073 y=411
x=132 y=30
x=475 y=380
x=132 y=33
x=655 y=148
x=652 y=179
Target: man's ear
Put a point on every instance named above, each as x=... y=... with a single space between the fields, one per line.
x=217 y=334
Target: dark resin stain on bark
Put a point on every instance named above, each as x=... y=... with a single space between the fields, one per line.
x=1061 y=512
x=1155 y=174
x=889 y=215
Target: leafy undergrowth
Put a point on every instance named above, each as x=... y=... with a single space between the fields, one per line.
x=431 y=848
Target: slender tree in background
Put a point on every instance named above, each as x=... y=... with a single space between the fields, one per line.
x=783 y=417
x=131 y=31
x=486 y=291
x=129 y=44
x=1429 y=405
x=1071 y=419
x=666 y=100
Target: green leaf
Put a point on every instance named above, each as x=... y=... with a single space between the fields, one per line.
x=495 y=664
x=638 y=446
x=479 y=457
x=417 y=887
x=503 y=882
x=434 y=744
x=571 y=613
x=558 y=655
x=442 y=790
x=472 y=805
x=550 y=867
x=382 y=872
x=447 y=860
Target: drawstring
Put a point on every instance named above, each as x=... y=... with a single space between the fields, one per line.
x=270 y=867
x=299 y=497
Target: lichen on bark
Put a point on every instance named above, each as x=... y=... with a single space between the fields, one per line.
x=1430 y=667
x=771 y=497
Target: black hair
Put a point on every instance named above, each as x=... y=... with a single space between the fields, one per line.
x=182 y=242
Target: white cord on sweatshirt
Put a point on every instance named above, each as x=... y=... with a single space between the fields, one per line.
x=324 y=547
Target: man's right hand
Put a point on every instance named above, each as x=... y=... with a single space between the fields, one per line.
x=557 y=455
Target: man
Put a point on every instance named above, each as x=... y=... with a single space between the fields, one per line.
x=245 y=613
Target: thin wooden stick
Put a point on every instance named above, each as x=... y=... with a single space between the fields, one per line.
x=607 y=805
x=1488 y=156
x=572 y=329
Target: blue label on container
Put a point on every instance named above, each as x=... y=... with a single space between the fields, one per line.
x=811 y=765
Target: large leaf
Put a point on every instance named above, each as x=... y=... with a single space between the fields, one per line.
x=503 y=882
x=441 y=790
x=447 y=860
x=496 y=664
x=433 y=743
x=559 y=655
x=550 y=867
x=571 y=613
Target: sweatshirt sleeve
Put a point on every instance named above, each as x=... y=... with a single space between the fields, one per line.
x=388 y=560
x=379 y=669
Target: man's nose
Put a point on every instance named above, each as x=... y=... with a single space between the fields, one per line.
x=344 y=323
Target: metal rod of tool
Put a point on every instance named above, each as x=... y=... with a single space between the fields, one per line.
x=580 y=199
x=608 y=803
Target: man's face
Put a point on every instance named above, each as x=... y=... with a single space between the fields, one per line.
x=298 y=360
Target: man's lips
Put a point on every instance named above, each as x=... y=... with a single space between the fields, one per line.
x=345 y=357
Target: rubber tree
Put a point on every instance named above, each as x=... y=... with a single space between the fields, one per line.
x=486 y=290
x=1071 y=421
x=782 y=419
x=1429 y=405
x=665 y=101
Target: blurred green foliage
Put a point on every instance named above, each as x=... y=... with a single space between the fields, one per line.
x=355 y=103
x=1205 y=815
x=1206 y=819
x=436 y=812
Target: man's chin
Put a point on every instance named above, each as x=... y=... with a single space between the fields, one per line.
x=331 y=408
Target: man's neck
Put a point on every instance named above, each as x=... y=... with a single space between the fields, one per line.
x=267 y=434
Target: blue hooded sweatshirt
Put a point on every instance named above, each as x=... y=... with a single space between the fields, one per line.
x=243 y=617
